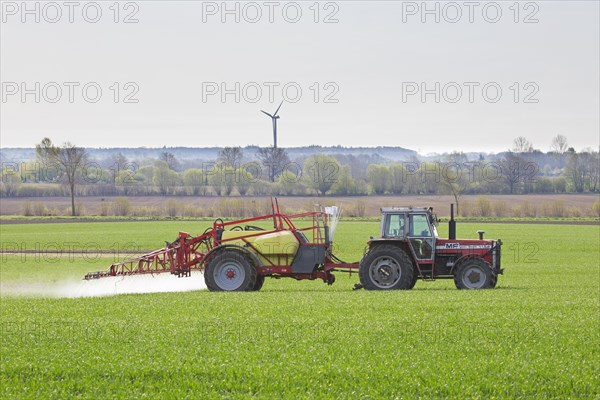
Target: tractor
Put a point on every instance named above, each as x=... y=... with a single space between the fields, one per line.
x=239 y=255
x=409 y=249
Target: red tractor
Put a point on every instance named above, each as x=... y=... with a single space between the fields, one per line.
x=239 y=255
x=409 y=248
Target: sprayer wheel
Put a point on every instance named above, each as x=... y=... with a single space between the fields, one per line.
x=230 y=271
x=260 y=280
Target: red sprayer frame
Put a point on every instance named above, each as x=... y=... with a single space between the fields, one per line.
x=189 y=253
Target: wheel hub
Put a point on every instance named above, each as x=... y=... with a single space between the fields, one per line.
x=474 y=276
x=229 y=275
x=385 y=272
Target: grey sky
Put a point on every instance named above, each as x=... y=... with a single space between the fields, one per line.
x=373 y=56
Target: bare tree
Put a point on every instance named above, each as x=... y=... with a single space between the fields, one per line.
x=231 y=156
x=69 y=158
x=454 y=177
x=171 y=161
x=117 y=162
x=575 y=170
x=522 y=145
x=275 y=159
x=590 y=166
x=559 y=144
x=515 y=171
x=594 y=171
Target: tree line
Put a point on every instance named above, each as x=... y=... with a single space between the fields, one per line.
x=68 y=170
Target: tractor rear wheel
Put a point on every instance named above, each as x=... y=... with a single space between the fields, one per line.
x=414 y=280
x=386 y=267
x=230 y=271
x=474 y=273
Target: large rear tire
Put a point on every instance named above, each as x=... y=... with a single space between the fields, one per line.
x=386 y=267
x=474 y=273
x=414 y=280
x=230 y=271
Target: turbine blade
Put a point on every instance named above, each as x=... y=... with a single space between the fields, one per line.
x=264 y=112
x=280 y=104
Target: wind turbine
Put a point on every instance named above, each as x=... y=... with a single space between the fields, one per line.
x=274 y=117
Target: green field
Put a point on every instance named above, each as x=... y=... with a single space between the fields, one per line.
x=535 y=336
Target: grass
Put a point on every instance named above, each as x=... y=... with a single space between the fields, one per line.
x=535 y=336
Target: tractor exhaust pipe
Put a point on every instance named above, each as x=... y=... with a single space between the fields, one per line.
x=452 y=224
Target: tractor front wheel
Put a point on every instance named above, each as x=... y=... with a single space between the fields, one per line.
x=474 y=273
x=386 y=267
x=230 y=271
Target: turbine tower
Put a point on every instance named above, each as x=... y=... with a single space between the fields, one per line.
x=274 y=117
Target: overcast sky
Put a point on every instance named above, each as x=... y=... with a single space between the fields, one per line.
x=351 y=73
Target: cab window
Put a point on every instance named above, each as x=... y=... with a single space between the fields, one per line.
x=419 y=226
x=394 y=225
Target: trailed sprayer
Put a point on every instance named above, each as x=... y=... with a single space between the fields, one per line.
x=239 y=255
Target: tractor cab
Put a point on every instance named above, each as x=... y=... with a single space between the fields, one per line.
x=414 y=225
x=398 y=222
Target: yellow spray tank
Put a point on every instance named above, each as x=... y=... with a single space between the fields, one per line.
x=277 y=248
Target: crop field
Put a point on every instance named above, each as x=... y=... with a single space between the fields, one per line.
x=535 y=336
